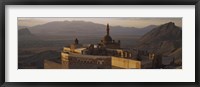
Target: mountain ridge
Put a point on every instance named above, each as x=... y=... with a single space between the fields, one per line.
x=79 y=28
x=163 y=39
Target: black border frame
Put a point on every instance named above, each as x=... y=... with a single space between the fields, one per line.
x=98 y=2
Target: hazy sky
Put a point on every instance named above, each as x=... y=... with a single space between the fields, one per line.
x=113 y=21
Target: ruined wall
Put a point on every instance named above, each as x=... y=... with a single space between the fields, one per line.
x=66 y=49
x=125 y=63
x=64 y=58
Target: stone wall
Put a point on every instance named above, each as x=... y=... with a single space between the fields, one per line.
x=125 y=63
x=64 y=58
x=77 y=61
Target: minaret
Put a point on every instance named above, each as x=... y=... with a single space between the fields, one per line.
x=108 y=29
x=76 y=41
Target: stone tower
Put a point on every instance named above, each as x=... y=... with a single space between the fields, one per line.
x=107 y=40
x=108 y=29
x=76 y=41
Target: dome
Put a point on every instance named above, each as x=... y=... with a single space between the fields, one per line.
x=107 y=38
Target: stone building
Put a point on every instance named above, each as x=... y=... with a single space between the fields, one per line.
x=97 y=57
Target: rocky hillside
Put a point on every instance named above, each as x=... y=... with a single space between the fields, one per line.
x=164 y=39
x=25 y=35
x=24 y=32
x=37 y=60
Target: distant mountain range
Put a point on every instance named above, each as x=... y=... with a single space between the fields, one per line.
x=81 y=28
x=152 y=36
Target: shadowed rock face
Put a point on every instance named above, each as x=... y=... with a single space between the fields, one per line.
x=168 y=31
x=164 y=39
x=24 y=32
x=25 y=35
x=37 y=60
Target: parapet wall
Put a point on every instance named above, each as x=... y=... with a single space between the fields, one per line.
x=125 y=63
x=78 y=61
x=89 y=62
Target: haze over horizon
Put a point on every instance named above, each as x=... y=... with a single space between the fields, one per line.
x=138 y=22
